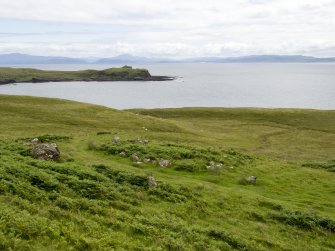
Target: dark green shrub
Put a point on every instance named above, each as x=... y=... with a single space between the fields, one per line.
x=103 y=133
x=47 y=138
x=43 y=183
x=88 y=189
x=122 y=177
x=307 y=221
x=327 y=166
x=184 y=157
x=232 y=241
x=64 y=203
x=256 y=216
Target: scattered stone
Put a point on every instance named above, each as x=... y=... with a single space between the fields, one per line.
x=147 y=160
x=164 y=163
x=116 y=140
x=135 y=158
x=252 y=179
x=143 y=142
x=140 y=141
x=34 y=141
x=212 y=165
x=151 y=181
x=47 y=151
x=123 y=154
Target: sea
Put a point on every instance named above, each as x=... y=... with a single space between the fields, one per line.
x=271 y=85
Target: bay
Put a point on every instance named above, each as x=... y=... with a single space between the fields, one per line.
x=199 y=85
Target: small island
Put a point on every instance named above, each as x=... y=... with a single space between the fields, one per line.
x=27 y=75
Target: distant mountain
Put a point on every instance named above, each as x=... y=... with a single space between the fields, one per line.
x=127 y=59
x=261 y=59
x=17 y=58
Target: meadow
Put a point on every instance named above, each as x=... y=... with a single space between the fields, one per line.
x=96 y=197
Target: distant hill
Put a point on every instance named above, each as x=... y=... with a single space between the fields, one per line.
x=128 y=59
x=18 y=58
x=261 y=59
x=124 y=59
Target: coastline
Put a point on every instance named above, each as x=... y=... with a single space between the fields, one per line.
x=126 y=73
x=136 y=79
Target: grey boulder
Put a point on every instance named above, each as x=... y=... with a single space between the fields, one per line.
x=47 y=151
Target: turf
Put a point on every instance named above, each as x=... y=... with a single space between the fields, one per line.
x=96 y=199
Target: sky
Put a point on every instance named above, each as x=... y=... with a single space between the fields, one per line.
x=167 y=28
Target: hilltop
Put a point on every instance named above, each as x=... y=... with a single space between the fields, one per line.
x=97 y=195
x=21 y=75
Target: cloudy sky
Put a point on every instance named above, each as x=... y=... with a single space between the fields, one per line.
x=167 y=28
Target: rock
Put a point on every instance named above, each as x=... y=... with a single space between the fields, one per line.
x=34 y=141
x=47 y=151
x=116 y=139
x=143 y=142
x=212 y=165
x=151 y=182
x=123 y=154
x=135 y=158
x=252 y=179
x=140 y=141
x=164 y=163
x=147 y=160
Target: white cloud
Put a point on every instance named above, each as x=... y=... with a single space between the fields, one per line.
x=180 y=28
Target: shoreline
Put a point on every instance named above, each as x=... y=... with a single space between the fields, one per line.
x=136 y=79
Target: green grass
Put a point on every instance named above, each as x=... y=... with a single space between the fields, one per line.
x=28 y=75
x=96 y=199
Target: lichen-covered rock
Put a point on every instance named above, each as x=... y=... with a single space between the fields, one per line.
x=34 y=141
x=252 y=179
x=135 y=158
x=47 y=151
x=146 y=160
x=123 y=154
x=164 y=163
x=151 y=182
x=116 y=139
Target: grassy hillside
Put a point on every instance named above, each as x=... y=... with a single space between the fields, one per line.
x=97 y=196
x=15 y=75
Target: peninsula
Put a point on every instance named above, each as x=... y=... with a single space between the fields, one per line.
x=27 y=75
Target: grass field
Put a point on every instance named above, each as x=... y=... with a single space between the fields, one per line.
x=96 y=199
x=9 y=75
